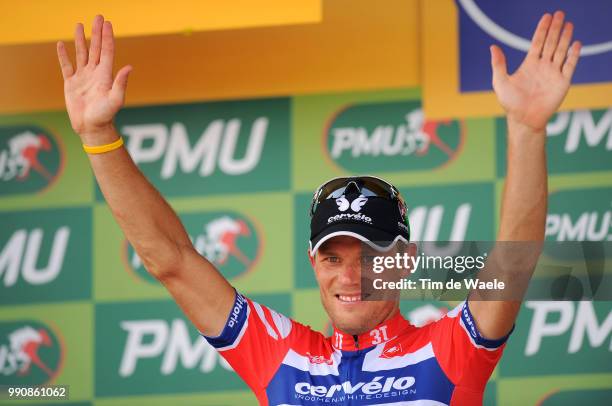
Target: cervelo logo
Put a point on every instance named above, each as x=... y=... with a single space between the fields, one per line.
x=21 y=256
x=374 y=387
x=30 y=353
x=558 y=318
x=215 y=147
x=355 y=205
x=168 y=341
x=31 y=159
x=229 y=240
x=513 y=40
x=582 y=130
x=580 y=215
x=390 y=136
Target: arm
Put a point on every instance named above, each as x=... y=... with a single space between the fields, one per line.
x=147 y=220
x=530 y=97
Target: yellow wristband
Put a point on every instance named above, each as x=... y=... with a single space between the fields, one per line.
x=98 y=149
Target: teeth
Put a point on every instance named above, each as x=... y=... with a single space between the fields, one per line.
x=349 y=298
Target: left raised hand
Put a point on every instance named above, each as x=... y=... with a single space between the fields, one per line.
x=535 y=91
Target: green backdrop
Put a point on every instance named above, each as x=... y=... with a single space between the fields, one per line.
x=115 y=336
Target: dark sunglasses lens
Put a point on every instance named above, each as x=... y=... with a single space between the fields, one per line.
x=368 y=186
x=375 y=187
x=333 y=189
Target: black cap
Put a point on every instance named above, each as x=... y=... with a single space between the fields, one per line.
x=378 y=221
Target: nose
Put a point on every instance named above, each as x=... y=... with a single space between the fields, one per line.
x=350 y=275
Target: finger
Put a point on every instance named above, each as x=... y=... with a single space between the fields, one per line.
x=552 y=38
x=96 y=40
x=539 y=35
x=80 y=45
x=564 y=42
x=64 y=60
x=108 y=47
x=498 y=63
x=572 y=60
x=120 y=84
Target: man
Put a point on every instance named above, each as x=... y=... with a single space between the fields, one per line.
x=374 y=356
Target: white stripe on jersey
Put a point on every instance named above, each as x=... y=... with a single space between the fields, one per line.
x=373 y=362
x=303 y=363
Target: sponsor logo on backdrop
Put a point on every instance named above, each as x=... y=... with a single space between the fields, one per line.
x=578 y=141
x=229 y=240
x=170 y=343
x=511 y=25
x=425 y=222
x=45 y=255
x=235 y=146
x=425 y=225
x=391 y=136
x=576 y=322
x=21 y=256
x=580 y=215
x=545 y=330
x=214 y=149
x=582 y=130
x=30 y=353
x=30 y=159
x=152 y=341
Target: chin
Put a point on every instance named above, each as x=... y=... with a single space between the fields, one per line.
x=353 y=320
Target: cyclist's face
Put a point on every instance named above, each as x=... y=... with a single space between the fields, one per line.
x=337 y=266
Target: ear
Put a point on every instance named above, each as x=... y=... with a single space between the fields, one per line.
x=311 y=257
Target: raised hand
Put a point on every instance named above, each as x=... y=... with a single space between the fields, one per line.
x=535 y=91
x=92 y=96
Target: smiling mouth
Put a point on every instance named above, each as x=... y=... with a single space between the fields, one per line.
x=351 y=298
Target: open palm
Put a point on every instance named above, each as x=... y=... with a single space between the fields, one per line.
x=535 y=91
x=92 y=96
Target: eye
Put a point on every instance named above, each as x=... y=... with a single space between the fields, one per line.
x=332 y=259
x=367 y=259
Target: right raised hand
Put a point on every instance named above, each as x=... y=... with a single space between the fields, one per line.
x=92 y=96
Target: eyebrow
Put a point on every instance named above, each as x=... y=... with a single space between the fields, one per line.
x=328 y=251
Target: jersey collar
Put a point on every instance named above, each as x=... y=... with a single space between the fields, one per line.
x=382 y=333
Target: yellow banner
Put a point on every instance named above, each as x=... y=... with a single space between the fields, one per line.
x=29 y=21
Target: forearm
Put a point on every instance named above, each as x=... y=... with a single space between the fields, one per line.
x=147 y=220
x=523 y=216
x=525 y=195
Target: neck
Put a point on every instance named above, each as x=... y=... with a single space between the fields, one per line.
x=387 y=329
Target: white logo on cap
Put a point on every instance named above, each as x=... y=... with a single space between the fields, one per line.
x=355 y=205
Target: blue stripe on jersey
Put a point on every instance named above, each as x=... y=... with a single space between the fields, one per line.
x=235 y=320
x=469 y=323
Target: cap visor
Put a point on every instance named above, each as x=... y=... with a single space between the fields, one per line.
x=375 y=238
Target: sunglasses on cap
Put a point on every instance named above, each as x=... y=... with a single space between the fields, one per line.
x=368 y=186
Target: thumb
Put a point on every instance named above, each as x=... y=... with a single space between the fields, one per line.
x=498 y=63
x=120 y=84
